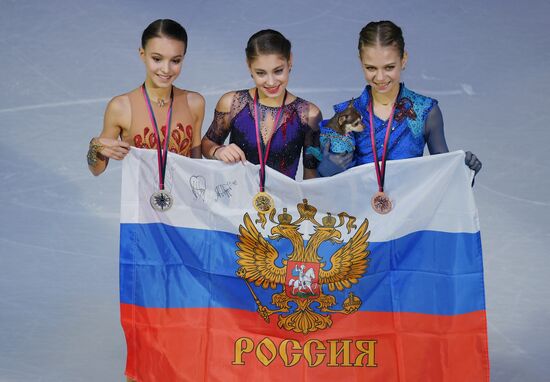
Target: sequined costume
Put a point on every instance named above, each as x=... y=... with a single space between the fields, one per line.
x=143 y=133
x=411 y=128
x=294 y=134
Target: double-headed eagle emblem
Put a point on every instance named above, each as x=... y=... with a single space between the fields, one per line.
x=304 y=276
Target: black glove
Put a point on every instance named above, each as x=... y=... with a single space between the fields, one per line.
x=473 y=163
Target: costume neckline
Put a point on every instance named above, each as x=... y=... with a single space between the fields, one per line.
x=251 y=99
x=366 y=98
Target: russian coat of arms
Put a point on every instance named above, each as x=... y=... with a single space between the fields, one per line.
x=304 y=305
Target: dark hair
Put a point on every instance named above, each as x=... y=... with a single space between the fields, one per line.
x=267 y=41
x=383 y=33
x=164 y=28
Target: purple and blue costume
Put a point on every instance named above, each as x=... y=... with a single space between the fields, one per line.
x=295 y=132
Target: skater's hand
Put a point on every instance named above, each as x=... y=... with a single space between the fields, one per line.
x=332 y=163
x=473 y=163
x=230 y=154
x=113 y=148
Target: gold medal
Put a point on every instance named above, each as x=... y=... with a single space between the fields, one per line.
x=381 y=203
x=263 y=202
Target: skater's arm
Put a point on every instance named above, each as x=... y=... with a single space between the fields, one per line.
x=196 y=104
x=435 y=138
x=109 y=144
x=311 y=139
x=434 y=133
x=213 y=141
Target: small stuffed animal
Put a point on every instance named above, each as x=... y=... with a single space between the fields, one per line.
x=338 y=131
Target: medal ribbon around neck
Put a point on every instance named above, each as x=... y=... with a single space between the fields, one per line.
x=380 y=170
x=162 y=155
x=261 y=155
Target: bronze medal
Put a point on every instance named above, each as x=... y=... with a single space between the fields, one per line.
x=381 y=203
x=263 y=202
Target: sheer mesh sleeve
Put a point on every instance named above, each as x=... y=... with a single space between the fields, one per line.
x=221 y=125
x=219 y=128
x=311 y=138
x=434 y=133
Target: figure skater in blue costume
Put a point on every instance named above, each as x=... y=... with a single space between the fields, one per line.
x=417 y=119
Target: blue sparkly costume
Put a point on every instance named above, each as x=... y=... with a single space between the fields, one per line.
x=407 y=138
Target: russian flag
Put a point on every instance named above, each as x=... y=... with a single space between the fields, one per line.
x=321 y=289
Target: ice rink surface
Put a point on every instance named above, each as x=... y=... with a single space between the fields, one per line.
x=61 y=61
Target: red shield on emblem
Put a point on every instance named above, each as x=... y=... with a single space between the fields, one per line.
x=302 y=280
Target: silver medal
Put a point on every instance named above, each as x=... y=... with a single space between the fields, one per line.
x=161 y=200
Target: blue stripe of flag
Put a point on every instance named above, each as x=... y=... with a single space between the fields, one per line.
x=424 y=272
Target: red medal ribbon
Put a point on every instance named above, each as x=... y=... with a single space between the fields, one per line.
x=162 y=155
x=380 y=172
x=263 y=157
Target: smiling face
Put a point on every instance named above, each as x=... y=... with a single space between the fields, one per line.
x=382 y=66
x=163 y=59
x=270 y=73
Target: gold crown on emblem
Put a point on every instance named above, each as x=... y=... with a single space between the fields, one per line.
x=329 y=220
x=307 y=212
x=285 y=217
